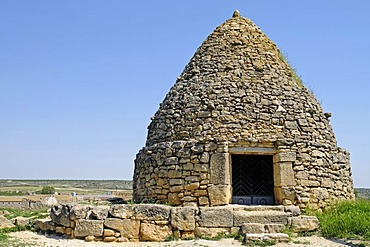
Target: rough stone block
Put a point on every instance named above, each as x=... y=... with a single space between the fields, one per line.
x=173 y=199
x=220 y=168
x=183 y=218
x=60 y=215
x=152 y=212
x=153 y=232
x=274 y=228
x=284 y=174
x=253 y=228
x=108 y=233
x=109 y=239
x=97 y=213
x=172 y=161
x=305 y=223
x=89 y=228
x=210 y=232
x=192 y=186
x=282 y=193
x=286 y=157
x=262 y=217
x=203 y=201
x=216 y=217
x=123 y=211
x=219 y=195
x=127 y=227
x=187 y=235
x=21 y=221
x=78 y=212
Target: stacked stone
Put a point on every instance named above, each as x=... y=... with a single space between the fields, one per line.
x=181 y=173
x=238 y=92
x=153 y=222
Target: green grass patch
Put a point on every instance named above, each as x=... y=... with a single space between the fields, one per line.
x=347 y=219
x=29 y=213
x=293 y=70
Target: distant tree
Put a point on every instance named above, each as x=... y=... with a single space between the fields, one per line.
x=47 y=190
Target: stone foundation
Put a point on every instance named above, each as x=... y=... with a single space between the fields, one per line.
x=154 y=222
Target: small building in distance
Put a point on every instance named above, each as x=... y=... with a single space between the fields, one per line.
x=238 y=126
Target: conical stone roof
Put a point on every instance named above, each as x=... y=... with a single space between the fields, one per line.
x=237 y=82
x=238 y=96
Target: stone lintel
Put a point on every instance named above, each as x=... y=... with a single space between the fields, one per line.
x=253 y=150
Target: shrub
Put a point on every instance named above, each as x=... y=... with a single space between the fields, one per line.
x=47 y=190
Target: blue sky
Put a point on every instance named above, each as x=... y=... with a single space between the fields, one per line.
x=79 y=80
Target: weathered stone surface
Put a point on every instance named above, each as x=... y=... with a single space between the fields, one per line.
x=220 y=168
x=294 y=210
x=153 y=232
x=210 y=232
x=78 y=212
x=109 y=239
x=108 y=233
x=263 y=217
x=89 y=238
x=123 y=211
x=305 y=223
x=5 y=223
x=216 y=217
x=284 y=174
x=97 y=213
x=174 y=199
x=183 y=218
x=253 y=228
x=89 y=228
x=287 y=156
x=44 y=225
x=152 y=212
x=21 y=221
x=219 y=195
x=60 y=215
x=127 y=227
x=274 y=228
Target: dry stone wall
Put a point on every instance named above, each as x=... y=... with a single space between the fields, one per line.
x=238 y=93
x=153 y=222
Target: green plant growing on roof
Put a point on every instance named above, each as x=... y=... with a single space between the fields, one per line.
x=293 y=70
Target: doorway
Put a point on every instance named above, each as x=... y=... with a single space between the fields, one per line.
x=252 y=179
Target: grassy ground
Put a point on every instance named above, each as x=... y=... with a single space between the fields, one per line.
x=13 y=213
x=347 y=220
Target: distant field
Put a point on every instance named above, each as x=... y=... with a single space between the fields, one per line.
x=90 y=186
x=363 y=193
x=66 y=186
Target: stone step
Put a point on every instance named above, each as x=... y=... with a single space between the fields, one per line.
x=249 y=228
x=261 y=217
x=258 y=208
x=278 y=237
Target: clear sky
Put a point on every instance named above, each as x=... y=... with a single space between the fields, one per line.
x=80 y=79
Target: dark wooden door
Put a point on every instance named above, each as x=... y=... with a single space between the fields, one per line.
x=253 y=179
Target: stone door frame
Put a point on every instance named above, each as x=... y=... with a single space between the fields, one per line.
x=284 y=180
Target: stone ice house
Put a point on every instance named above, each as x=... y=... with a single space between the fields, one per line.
x=238 y=126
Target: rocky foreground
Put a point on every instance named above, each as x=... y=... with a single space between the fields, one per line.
x=35 y=239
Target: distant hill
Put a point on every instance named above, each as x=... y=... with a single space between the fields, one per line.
x=65 y=183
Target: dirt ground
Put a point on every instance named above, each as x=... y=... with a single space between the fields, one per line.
x=34 y=239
